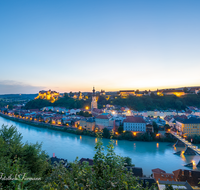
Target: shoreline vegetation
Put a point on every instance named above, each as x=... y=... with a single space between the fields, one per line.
x=148 y=137
x=26 y=166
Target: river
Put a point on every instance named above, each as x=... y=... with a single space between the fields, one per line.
x=148 y=155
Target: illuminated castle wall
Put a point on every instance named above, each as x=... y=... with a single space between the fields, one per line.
x=51 y=96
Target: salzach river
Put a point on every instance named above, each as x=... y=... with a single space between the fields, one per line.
x=148 y=155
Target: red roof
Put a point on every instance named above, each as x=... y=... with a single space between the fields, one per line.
x=158 y=170
x=103 y=117
x=133 y=119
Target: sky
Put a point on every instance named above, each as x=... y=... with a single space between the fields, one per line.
x=73 y=45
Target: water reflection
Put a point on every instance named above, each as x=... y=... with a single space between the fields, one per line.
x=182 y=156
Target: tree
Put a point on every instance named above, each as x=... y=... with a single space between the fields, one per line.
x=167 y=127
x=18 y=158
x=66 y=95
x=155 y=127
x=120 y=129
x=185 y=89
x=10 y=107
x=137 y=91
x=127 y=161
x=106 y=133
x=108 y=172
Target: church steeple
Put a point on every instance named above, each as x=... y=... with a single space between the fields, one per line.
x=94 y=100
x=93 y=91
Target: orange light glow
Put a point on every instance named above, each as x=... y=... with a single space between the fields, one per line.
x=157 y=135
x=194 y=164
x=116 y=142
x=134 y=133
x=80 y=128
x=157 y=145
x=86 y=107
x=182 y=155
x=95 y=140
x=80 y=137
x=116 y=133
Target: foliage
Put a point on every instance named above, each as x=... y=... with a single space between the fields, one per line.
x=37 y=104
x=195 y=139
x=17 y=158
x=155 y=127
x=10 y=107
x=108 y=172
x=106 y=133
x=66 y=102
x=167 y=127
x=153 y=102
x=85 y=114
x=128 y=161
x=120 y=129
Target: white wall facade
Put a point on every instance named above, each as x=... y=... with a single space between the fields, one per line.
x=134 y=126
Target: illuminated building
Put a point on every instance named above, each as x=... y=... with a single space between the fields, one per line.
x=94 y=100
x=133 y=123
x=51 y=96
x=171 y=92
x=189 y=126
x=125 y=93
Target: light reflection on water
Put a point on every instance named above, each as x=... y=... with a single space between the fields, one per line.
x=148 y=155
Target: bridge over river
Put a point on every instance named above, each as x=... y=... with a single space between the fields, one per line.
x=190 y=148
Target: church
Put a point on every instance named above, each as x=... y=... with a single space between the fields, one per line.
x=94 y=100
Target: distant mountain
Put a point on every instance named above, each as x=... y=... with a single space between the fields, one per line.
x=18 y=96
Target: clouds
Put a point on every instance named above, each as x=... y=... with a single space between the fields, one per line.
x=15 y=87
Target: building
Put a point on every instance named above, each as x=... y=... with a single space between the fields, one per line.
x=134 y=123
x=94 y=100
x=125 y=93
x=104 y=120
x=138 y=172
x=159 y=174
x=51 y=96
x=174 y=184
x=102 y=93
x=88 y=124
x=189 y=126
x=170 y=92
x=192 y=177
x=149 y=128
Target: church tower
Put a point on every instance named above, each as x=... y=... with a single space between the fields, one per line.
x=94 y=100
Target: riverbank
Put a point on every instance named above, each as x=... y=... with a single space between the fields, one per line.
x=145 y=137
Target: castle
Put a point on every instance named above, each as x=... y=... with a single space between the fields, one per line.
x=49 y=95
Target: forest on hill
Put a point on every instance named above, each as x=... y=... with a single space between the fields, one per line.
x=151 y=102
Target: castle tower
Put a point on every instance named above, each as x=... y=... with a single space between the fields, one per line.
x=94 y=100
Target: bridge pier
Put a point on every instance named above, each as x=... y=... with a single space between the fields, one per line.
x=179 y=143
x=198 y=165
x=189 y=151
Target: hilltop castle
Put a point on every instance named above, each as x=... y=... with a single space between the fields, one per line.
x=52 y=96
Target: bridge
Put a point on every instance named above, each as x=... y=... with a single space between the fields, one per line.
x=190 y=148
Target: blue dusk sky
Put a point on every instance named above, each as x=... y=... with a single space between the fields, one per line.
x=72 y=45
